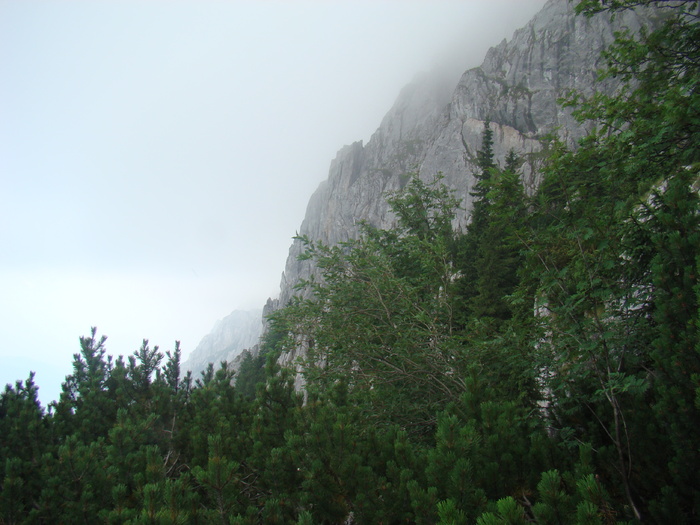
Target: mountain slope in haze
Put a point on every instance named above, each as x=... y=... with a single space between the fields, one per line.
x=432 y=130
x=238 y=331
x=434 y=127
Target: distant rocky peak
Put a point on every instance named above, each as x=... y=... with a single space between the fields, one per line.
x=238 y=331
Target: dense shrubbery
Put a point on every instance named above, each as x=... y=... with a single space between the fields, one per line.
x=541 y=367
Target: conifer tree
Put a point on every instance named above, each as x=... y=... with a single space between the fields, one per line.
x=24 y=440
x=498 y=244
x=467 y=246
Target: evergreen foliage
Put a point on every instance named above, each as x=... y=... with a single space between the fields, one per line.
x=542 y=366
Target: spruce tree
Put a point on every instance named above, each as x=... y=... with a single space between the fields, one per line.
x=499 y=245
x=467 y=245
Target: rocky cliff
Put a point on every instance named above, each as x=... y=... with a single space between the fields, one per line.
x=437 y=128
x=238 y=331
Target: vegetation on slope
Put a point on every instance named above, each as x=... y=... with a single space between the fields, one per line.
x=542 y=366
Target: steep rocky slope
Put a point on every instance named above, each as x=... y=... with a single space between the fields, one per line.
x=433 y=128
x=238 y=331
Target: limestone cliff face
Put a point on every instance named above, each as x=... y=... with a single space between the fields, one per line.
x=436 y=128
x=238 y=331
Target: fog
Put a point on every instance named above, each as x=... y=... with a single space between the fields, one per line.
x=156 y=158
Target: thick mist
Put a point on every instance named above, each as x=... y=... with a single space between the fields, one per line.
x=156 y=159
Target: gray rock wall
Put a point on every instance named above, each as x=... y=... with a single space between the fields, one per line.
x=238 y=331
x=436 y=128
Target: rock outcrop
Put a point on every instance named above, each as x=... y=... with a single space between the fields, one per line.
x=434 y=128
x=238 y=331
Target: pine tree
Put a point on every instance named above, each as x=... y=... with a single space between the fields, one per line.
x=25 y=439
x=84 y=406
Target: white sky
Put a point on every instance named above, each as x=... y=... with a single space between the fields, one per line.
x=157 y=157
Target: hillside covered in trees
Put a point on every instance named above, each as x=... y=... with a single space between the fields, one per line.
x=541 y=365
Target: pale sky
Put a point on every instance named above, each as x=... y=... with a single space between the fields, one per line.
x=156 y=158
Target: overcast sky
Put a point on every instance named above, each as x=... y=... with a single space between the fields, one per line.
x=156 y=157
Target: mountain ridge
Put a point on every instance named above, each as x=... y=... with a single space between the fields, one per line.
x=435 y=128
x=516 y=88
x=230 y=336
